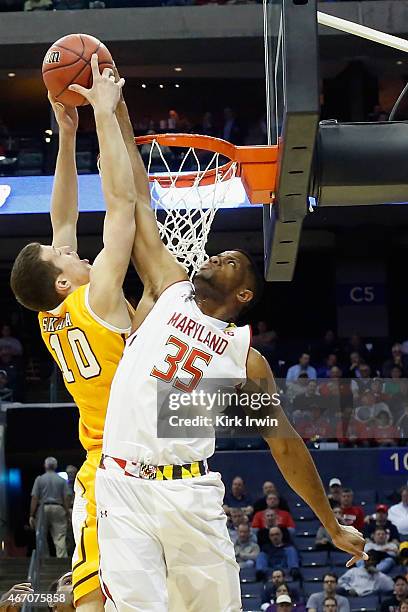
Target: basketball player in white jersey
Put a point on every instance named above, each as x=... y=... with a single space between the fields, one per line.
x=162 y=533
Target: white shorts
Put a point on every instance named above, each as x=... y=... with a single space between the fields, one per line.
x=164 y=545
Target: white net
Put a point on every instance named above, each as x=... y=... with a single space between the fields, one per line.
x=188 y=211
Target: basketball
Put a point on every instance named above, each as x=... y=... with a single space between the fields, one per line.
x=68 y=61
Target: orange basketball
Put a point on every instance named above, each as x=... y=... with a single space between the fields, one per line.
x=68 y=61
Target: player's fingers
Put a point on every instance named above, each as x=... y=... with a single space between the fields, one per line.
x=121 y=83
x=95 y=66
x=107 y=73
x=22 y=588
x=352 y=561
x=116 y=73
x=22 y=585
x=79 y=89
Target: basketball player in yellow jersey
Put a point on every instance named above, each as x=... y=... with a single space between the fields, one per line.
x=82 y=311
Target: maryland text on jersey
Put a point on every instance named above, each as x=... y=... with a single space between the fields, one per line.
x=198 y=332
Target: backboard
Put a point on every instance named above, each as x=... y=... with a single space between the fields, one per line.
x=292 y=97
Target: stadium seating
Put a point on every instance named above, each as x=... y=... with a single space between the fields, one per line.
x=252 y=604
x=247 y=574
x=338 y=558
x=314 y=574
x=364 y=603
x=312 y=587
x=315 y=558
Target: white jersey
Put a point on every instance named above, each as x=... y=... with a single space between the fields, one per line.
x=176 y=342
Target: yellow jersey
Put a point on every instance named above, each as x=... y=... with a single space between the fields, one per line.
x=87 y=351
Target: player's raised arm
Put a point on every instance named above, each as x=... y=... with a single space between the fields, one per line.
x=110 y=266
x=295 y=461
x=155 y=265
x=64 y=200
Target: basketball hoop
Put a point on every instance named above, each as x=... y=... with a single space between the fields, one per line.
x=192 y=176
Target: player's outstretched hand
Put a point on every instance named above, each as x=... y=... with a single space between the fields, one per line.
x=351 y=541
x=9 y=599
x=66 y=116
x=104 y=94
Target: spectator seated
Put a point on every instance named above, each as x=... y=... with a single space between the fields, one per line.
x=315 y=602
x=246 y=548
x=270 y=588
x=366 y=580
x=238 y=498
x=277 y=555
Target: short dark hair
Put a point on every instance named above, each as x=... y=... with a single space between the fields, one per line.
x=330 y=598
x=400 y=577
x=331 y=575
x=347 y=490
x=257 y=281
x=33 y=279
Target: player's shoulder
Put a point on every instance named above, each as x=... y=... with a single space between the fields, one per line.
x=179 y=290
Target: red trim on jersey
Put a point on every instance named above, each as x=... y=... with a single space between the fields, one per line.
x=121 y=462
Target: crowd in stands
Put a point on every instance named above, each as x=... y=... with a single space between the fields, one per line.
x=35 y=155
x=273 y=551
x=74 y=5
x=348 y=391
x=46 y=5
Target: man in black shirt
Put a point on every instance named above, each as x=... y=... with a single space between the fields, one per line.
x=391 y=604
x=381 y=520
x=271 y=520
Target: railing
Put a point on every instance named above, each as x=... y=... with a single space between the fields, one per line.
x=36 y=557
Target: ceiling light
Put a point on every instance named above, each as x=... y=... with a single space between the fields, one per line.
x=399 y=62
x=178 y=69
x=144 y=85
x=49 y=132
x=48 y=139
x=177 y=85
x=161 y=86
x=11 y=74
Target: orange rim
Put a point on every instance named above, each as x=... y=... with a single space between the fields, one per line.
x=256 y=165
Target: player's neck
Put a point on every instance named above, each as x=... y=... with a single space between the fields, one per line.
x=208 y=301
x=213 y=309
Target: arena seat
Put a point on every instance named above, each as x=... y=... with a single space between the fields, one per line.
x=303 y=514
x=251 y=589
x=251 y=604
x=338 y=558
x=224 y=444
x=247 y=574
x=249 y=444
x=364 y=603
x=312 y=587
x=314 y=574
x=365 y=497
x=315 y=558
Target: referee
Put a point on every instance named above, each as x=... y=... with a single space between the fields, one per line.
x=51 y=492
